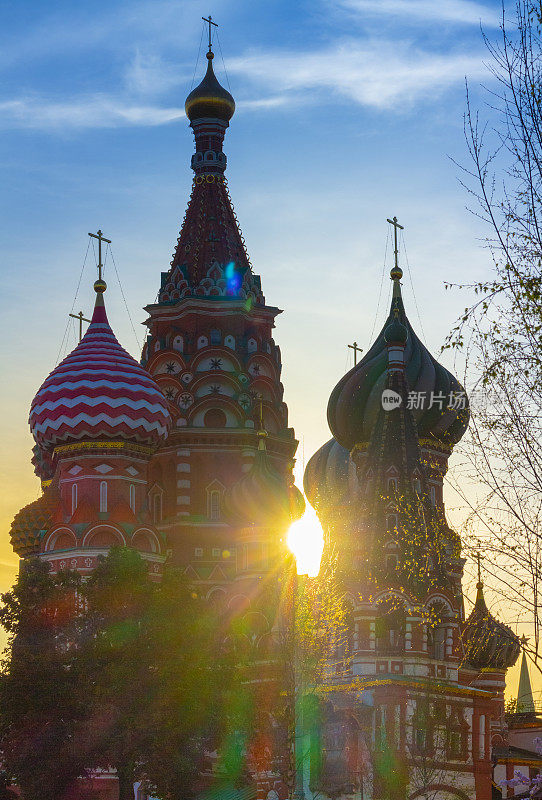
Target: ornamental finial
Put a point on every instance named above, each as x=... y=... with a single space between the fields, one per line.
x=396 y=273
x=209 y=21
x=100 y=285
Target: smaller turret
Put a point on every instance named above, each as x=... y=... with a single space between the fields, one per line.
x=488 y=643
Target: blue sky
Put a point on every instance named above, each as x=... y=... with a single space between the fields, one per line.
x=348 y=112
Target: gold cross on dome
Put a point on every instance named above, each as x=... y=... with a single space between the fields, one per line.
x=101 y=238
x=209 y=21
x=356 y=350
x=81 y=319
x=395 y=227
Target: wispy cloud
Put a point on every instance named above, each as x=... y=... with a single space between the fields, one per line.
x=96 y=111
x=149 y=74
x=380 y=74
x=462 y=12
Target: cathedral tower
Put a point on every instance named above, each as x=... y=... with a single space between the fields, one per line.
x=423 y=688
x=96 y=421
x=211 y=350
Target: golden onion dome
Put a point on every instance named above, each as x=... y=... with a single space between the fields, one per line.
x=29 y=521
x=209 y=100
x=263 y=497
x=488 y=643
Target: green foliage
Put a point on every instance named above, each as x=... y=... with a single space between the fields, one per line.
x=501 y=331
x=41 y=706
x=116 y=672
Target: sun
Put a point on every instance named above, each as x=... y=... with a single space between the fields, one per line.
x=306 y=541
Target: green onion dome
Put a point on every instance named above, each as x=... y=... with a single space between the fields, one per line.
x=355 y=401
x=330 y=477
x=263 y=497
x=209 y=100
x=488 y=643
x=396 y=332
x=29 y=521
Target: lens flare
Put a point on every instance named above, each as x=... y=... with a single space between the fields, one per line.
x=233 y=278
x=306 y=541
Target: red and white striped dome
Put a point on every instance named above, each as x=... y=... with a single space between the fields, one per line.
x=98 y=392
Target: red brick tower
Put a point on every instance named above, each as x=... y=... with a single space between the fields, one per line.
x=211 y=350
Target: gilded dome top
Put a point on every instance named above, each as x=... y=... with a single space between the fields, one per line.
x=263 y=497
x=488 y=643
x=209 y=99
x=30 y=520
x=355 y=401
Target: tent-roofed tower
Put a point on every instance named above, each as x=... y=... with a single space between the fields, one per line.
x=211 y=349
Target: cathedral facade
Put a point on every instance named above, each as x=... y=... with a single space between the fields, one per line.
x=188 y=456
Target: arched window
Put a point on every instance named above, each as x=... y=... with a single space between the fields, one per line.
x=417 y=485
x=390 y=628
x=157 y=507
x=214 y=505
x=436 y=642
x=433 y=494
x=132 y=497
x=74 y=497
x=392 y=485
x=103 y=497
x=391 y=522
x=436 y=630
x=215 y=336
x=391 y=564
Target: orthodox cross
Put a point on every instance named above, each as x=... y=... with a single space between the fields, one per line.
x=99 y=236
x=356 y=350
x=479 y=562
x=395 y=227
x=81 y=319
x=209 y=21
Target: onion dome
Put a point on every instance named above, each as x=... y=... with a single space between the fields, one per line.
x=396 y=332
x=263 y=497
x=327 y=476
x=98 y=392
x=488 y=643
x=29 y=521
x=355 y=401
x=209 y=99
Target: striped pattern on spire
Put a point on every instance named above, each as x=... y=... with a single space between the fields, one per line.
x=98 y=392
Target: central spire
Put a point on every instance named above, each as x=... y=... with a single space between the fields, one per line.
x=210 y=259
x=209 y=107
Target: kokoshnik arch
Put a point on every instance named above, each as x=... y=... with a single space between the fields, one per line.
x=188 y=457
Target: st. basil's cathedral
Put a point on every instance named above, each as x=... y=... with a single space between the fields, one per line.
x=187 y=457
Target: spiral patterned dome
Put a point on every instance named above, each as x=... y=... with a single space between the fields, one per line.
x=355 y=401
x=209 y=99
x=488 y=643
x=330 y=477
x=29 y=521
x=98 y=392
x=263 y=497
